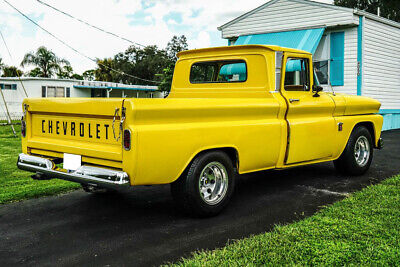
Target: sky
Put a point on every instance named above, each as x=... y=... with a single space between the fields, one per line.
x=148 y=22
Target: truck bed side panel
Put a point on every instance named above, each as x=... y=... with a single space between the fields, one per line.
x=171 y=132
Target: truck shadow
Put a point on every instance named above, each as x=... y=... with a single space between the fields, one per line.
x=148 y=217
x=265 y=187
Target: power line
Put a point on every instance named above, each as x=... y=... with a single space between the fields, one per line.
x=89 y=24
x=75 y=50
x=12 y=62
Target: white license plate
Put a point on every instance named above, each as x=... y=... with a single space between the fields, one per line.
x=72 y=162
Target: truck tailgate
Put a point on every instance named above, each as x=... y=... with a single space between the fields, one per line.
x=77 y=126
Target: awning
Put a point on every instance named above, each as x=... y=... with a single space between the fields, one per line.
x=306 y=40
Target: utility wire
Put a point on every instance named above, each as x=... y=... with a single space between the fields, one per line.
x=89 y=24
x=12 y=62
x=75 y=50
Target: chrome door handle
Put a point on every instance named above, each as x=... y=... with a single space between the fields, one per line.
x=291 y=100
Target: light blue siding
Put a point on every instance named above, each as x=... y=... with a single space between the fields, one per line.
x=391 y=119
x=337 y=59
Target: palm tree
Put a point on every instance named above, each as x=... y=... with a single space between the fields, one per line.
x=45 y=60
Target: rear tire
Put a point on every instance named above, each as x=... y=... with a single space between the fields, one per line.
x=207 y=185
x=357 y=156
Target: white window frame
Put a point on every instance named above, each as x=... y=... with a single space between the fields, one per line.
x=47 y=87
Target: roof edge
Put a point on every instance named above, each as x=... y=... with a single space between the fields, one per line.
x=220 y=28
x=377 y=18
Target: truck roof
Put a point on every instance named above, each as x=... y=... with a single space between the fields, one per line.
x=225 y=50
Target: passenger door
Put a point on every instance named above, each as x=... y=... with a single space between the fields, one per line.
x=309 y=117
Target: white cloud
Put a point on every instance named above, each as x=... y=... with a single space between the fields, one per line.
x=203 y=40
x=141 y=21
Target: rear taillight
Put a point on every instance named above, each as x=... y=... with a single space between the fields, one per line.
x=23 y=128
x=127 y=139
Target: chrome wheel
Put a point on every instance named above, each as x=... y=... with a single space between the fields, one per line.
x=362 y=151
x=213 y=183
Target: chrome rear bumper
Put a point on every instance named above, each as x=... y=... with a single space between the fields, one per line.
x=46 y=169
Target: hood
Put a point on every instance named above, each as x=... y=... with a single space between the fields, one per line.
x=357 y=105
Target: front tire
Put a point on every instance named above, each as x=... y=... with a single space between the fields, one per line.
x=206 y=187
x=357 y=156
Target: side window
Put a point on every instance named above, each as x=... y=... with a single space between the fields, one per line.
x=8 y=86
x=297 y=76
x=321 y=71
x=218 y=72
x=203 y=72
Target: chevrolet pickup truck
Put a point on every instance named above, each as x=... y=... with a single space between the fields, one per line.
x=231 y=110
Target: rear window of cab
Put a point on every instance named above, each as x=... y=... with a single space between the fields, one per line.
x=226 y=71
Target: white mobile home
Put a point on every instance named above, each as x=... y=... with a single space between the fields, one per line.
x=354 y=51
x=13 y=91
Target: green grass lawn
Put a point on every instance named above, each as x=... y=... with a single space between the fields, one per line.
x=363 y=229
x=16 y=184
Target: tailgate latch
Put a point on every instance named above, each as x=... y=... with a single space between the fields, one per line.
x=25 y=107
x=121 y=122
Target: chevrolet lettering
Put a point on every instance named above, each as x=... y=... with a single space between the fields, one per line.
x=231 y=110
x=74 y=128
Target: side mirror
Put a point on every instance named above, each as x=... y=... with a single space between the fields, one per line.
x=317 y=89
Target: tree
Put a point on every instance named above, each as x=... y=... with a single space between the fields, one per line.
x=36 y=72
x=389 y=9
x=65 y=72
x=176 y=45
x=144 y=63
x=148 y=64
x=76 y=76
x=88 y=75
x=103 y=71
x=45 y=60
x=11 y=71
x=166 y=78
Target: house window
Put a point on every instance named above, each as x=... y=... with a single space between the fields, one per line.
x=98 y=92
x=55 y=91
x=321 y=69
x=8 y=86
x=218 y=72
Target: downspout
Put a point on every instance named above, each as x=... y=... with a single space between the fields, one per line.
x=360 y=48
x=108 y=92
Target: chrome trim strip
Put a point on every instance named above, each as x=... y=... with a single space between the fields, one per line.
x=85 y=174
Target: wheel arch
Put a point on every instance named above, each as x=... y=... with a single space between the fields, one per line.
x=231 y=151
x=370 y=127
x=373 y=123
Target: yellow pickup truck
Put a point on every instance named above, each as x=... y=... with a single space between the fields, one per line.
x=231 y=110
